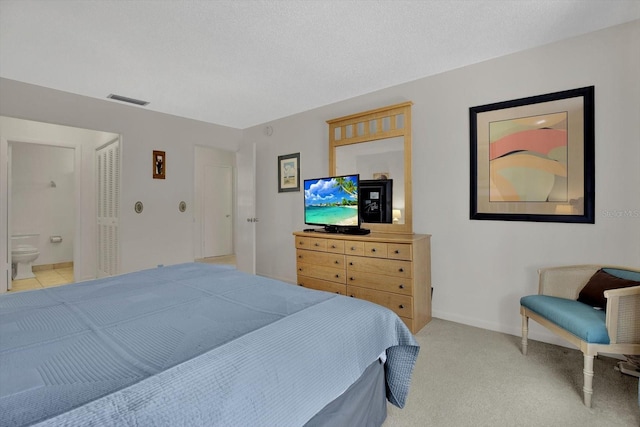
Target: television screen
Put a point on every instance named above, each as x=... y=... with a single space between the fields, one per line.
x=332 y=201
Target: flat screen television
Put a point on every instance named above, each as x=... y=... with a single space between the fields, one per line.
x=332 y=202
x=375 y=199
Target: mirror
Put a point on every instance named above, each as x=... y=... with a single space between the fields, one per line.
x=377 y=144
x=382 y=159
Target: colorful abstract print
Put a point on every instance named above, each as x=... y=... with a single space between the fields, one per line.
x=528 y=159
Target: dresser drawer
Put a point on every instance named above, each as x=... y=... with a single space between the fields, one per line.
x=388 y=267
x=323 y=259
x=319 y=272
x=402 y=305
x=375 y=249
x=317 y=244
x=335 y=246
x=353 y=248
x=303 y=242
x=399 y=251
x=398 y=285
x=322 y=285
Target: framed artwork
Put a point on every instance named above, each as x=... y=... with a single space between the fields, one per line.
x=159 y=165
x=532 y=159
x=381 y=175
x=289 y=173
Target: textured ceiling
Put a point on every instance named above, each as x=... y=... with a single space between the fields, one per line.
x=242 y=63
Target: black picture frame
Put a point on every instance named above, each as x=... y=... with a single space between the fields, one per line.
x=533 y=159
x=289 y=173
x=375 y=200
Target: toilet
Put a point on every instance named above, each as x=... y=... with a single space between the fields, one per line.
x=24 y=250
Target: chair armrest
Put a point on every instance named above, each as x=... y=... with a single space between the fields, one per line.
x=623 y=315
x=565 y=281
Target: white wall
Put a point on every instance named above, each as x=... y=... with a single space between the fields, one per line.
x=480 y=269
x=161 y=234
x=39 y=207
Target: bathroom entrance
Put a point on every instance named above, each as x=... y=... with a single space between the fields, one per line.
x=42 y=214
x=79 y=209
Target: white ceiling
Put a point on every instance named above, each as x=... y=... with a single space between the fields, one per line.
x=243 y=63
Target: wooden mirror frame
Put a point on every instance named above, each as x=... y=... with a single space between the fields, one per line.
x=373 y=125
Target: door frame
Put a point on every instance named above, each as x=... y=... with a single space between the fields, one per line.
x=5 y=249
x=246 y=208
x=5 y=204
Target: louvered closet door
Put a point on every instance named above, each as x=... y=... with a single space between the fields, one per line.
x=108 y=169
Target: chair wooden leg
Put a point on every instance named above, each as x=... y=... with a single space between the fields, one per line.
x=525 y=334
x=588 y=380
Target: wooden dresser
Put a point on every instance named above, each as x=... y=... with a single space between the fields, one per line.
x=393 y=270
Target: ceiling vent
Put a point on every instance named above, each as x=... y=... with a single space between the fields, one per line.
x=129 y=100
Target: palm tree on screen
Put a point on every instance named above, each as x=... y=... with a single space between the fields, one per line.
x=347 y=186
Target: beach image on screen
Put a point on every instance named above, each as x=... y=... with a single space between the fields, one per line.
x=331 y=201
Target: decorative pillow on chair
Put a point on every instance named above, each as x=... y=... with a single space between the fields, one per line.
x=593 y=291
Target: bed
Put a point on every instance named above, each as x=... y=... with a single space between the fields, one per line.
x=198 y=344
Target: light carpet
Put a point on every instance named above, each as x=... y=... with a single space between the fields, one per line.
x=467 y=376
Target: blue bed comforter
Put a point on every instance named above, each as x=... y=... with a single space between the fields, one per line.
x=191 y=344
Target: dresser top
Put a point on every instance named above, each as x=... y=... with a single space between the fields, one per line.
x=372 y=237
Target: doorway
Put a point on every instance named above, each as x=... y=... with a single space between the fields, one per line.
x=214 y=201
x=83 y=143
x=42 y=212
x=217 y=210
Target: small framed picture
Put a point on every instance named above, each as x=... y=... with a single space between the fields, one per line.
x=289 y=173
x=381 y=175
x=159 y=165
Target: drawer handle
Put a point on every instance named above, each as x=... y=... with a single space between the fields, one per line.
x=333 y=246
x=300 y=256
x=397 y=251
x=316 y=244
x=401 y=270
x=300 y=269
x=337 y=276
x=301 y=243
x=353 y=248
x=352 y=296
x=352 y=278
x=401 y=306
x=401 y=286
x=337 y=262
x=350 y=263
x=300 y=284
x=338 y=292
x=373 y=250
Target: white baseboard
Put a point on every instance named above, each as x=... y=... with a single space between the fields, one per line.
x=515 y=330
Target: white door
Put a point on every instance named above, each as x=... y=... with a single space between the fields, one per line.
x=5 y=188
x=108 y=178
x=217 y=209
x=246 y=213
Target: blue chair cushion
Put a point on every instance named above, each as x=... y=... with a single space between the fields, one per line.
x=578 y=318
x=623 y=274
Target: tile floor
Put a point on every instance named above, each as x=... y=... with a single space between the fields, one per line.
x=64 y=275
x=225 y=259
x=44 y=279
